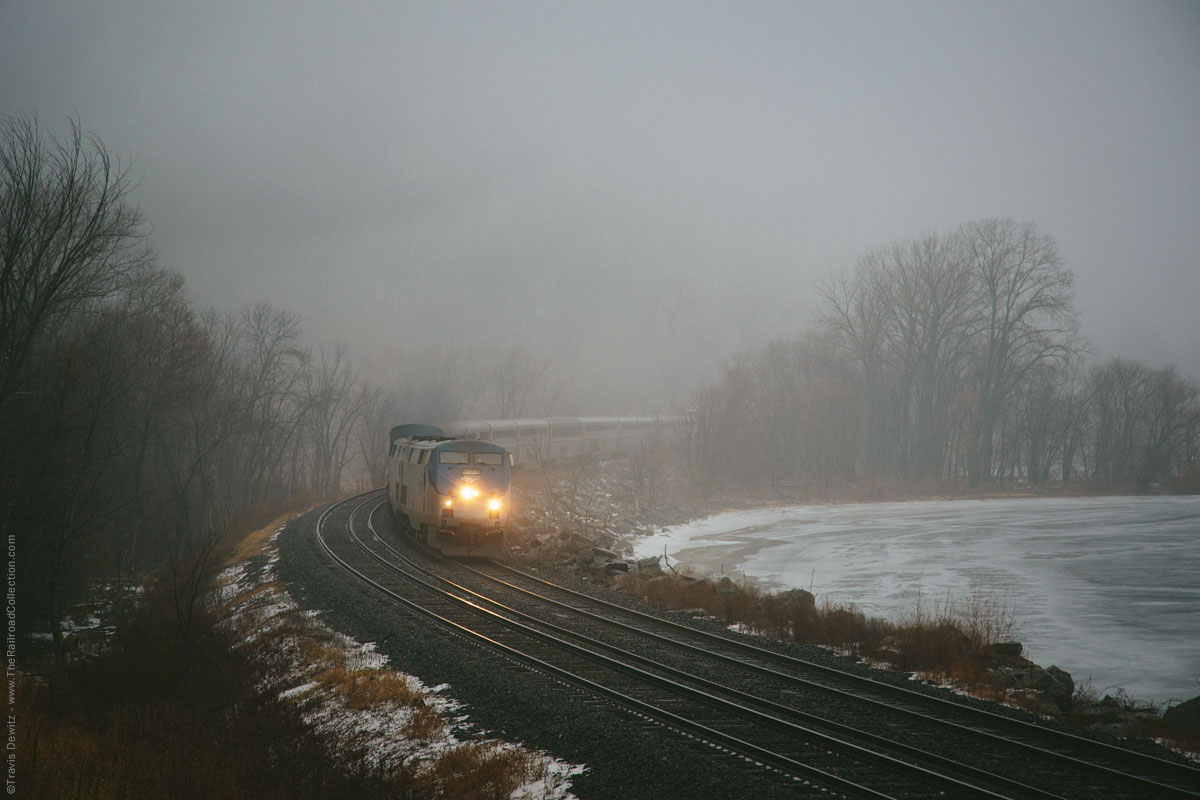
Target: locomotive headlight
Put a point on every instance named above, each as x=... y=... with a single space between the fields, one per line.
x=494 y=504
x=468 y=493
x=448 y=503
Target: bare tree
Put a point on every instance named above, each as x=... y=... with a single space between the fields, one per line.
x=1028 y=320
x=379 y=414
x=515 y=375
x=333 y=403
x=1172 y=414
x=1044 y=422
x=830 y=415
x=1144 y=421
x=269 y=365
x=84 y=483
x=70 y=486
x=68 y=235
x=648 y=460
x=929 y=296
x=855 y=318
x=709 y=441
x=771 y=386
x=1119 y=389
x=906 y=318
x=437 y=386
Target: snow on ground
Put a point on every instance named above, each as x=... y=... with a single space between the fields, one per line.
x=263 y=606
x=1106 y=588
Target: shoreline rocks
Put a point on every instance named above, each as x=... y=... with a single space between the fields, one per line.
x=1184 y=718
x=1055 y=685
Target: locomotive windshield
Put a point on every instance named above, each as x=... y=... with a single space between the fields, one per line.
x=462 y=457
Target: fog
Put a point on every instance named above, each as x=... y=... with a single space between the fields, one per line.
x=632 y=191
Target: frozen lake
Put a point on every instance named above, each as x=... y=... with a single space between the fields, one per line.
x=1106 y=588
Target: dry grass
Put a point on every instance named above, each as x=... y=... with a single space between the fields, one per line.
x=425 y=725
x=483 y=770
x=315 y=651
x=948 y=642
x=368 y=688
x=255 y=542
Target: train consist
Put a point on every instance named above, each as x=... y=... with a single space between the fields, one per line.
x=451 y=486
x=544 y=442
x=452 y=492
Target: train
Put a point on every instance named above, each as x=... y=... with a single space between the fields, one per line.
x=557 y=440
x=451 y=485
x=452 y=493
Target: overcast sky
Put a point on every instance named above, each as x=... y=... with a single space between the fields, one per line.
x=601 y=180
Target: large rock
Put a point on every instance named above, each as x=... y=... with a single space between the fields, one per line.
x=614 y=567
x=1005 y=649
x=650 y=567
x=800 y=597
x=1054 y=684
x=575 y=541
x=1058 y=685
x=1184 y=718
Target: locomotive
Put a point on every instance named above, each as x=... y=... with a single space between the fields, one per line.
x=451 y=485
x=451 y=492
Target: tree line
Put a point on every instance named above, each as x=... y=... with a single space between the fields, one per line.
x=949 y=357
x=136 y=429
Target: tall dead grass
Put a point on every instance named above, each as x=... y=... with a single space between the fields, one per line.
x=948 y=640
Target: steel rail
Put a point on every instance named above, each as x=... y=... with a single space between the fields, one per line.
x=1177 y=771
x=746 y=749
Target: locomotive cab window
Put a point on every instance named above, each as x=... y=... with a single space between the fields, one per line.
x=454 y=457
x=489 y=459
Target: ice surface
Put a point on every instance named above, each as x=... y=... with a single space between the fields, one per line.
x=1107 y=588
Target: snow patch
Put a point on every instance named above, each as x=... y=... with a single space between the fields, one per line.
x=379 y=731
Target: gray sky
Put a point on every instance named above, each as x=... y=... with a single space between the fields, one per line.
x=636 y=189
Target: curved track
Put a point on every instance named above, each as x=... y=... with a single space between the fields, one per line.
x=837 y=730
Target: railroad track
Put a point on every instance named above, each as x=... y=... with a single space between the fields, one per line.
x=820 y=726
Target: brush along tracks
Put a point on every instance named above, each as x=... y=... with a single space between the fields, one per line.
x=820 y=726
